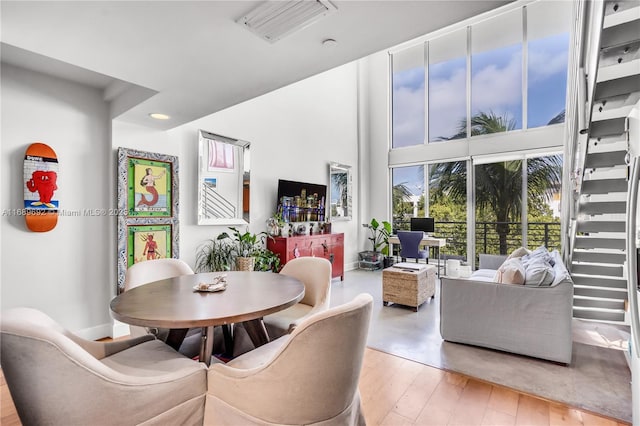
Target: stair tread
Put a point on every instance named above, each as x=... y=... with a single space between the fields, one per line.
x=621 y=17
x=594 y=308
x=578 y=296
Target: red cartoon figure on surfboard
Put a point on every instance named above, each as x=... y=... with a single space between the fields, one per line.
x=44 y=183
x=40 y=184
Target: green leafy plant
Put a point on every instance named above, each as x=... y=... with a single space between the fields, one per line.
x=380 y=232
x=245 y=244
x=266 y=260
x=215 y=255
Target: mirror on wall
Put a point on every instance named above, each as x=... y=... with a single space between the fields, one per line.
x=223 y=180
x=340 y=205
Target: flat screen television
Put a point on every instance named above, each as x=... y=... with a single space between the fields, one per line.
x=301 y=201
x=424 y=224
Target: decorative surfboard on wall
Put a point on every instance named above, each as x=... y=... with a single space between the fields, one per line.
x=40 y=177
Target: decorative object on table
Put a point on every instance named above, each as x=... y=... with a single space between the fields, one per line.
x=148 y=213
x=223 y=180
x=340 y=199
x=325 y=227
x=40 y=177
x=218 y=283
x=275 y=224
x=301 y=229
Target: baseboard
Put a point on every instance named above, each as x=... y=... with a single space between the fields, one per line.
x=351 y=266
x=113 y=330
x=95 y=333
x=120 y=329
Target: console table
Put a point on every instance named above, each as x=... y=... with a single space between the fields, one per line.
x=329 y=246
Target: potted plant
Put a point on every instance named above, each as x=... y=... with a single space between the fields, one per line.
x=215 y=255
x=245 y=246
x=380 y=232
x=266 y=260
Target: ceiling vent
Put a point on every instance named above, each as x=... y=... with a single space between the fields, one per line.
x=275 y=19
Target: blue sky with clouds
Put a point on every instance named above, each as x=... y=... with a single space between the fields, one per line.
x=496 y=85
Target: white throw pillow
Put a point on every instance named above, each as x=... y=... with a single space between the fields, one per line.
x=519 y=252
x=510 y=272
x=539 y=273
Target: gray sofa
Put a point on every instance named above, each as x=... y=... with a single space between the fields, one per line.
x=526 y=320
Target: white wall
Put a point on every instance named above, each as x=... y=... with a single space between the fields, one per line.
x=68 y=272
x=294 y=133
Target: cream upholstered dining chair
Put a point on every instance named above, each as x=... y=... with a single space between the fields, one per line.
x=58 y=378
x=307 y=377
x=315 y=274
x=158 y=269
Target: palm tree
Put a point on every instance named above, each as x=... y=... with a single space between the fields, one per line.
x=400 y=194
x=499 y=185
x=339 y=181
x=484 y=123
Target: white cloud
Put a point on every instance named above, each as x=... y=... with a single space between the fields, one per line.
x=543 y=64
x=408 y=116
x=447 y=104
x=498 y=89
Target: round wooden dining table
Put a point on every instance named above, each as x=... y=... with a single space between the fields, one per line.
x=174 y=303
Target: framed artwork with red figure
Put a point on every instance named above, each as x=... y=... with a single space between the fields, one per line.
x=148 y=198
x=148 y=242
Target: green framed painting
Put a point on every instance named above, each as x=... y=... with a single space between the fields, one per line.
x=149 y=187
x=148 y=242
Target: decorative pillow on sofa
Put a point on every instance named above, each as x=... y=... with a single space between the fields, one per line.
x=539 y=273
x=519 y=252
x=510 y=272
x=539 y=253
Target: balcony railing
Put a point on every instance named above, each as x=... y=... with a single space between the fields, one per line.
x=546 y=234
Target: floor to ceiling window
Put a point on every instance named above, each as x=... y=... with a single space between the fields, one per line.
x=497 y=77
x=408 y=112
x=544 y=183
x=448 y=87
x=498 y=189
x=408 y=195
x=448 y=205
x=496 y=74
x=547 y=60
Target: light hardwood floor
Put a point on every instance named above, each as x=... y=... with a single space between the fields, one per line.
x=399 y=392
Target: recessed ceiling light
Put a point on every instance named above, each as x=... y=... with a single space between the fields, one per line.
x=329 y=42
x=159 y=116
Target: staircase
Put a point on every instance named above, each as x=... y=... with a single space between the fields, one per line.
x=598 y=252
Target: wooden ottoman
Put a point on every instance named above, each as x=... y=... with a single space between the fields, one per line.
x=408 y=285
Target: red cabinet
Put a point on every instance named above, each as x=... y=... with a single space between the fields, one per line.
x=329 y=246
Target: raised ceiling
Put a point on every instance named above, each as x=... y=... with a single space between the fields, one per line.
x=193 y=57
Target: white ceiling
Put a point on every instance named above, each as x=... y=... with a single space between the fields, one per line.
x=193 y=56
